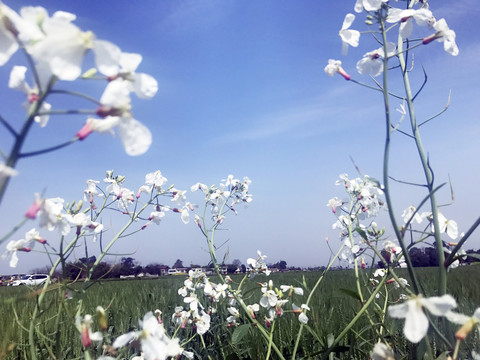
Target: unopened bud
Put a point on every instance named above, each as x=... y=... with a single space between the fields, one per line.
x=90 y=73
x=102 y=318
x=462 y=333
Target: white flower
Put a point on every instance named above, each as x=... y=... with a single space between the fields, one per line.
x=303 y=318
x=372 y=62
x=368 y=5
x=382 y=352
x=155 y=179
x=335 y=66
x=8 y=42
x=199 y=186
x=156 y=345
x=416 y=322
x=51 y=216
x=348 y=36
x=144 y=85
x=407 y=215
x=443 y=34
x=335 y=204
x=7 y=171
x=65 y=45
x=422 y=17
x=445 y=225
x=17 y=82
x=84 y=326
x=291 y=289
x=91 y=190
x=379 y=272
x=12 y=248
x=467 y=322
x=252 y=309
x=135 y=137
x=202 y=322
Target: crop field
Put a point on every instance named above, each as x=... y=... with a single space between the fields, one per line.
x=127 y=301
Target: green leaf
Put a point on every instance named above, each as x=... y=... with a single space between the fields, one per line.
x=362 y=233
x=240 y=332
x=350 y=293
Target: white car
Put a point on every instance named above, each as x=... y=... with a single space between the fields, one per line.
x=35 y=279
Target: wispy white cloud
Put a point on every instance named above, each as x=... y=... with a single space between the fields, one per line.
x=192 y=15
x=319 y=116
x=457 y=10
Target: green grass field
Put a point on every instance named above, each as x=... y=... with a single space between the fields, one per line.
x=127 y=301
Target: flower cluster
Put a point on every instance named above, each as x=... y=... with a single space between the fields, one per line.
x=363 y=202
x=372 y=62
x=224 y=198
x=57 y=48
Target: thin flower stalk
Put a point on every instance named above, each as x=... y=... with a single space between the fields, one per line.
x=442 y=286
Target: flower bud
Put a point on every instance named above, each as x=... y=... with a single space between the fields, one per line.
x=462 y=333
x=102 y=318
x=90 y=73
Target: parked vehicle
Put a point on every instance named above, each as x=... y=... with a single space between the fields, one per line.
x=31 y=280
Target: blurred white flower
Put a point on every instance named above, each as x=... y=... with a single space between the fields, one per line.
x=17 y=82
x=348 y=36
x=155 y=343
x=144 y=85
x=467 y=322
x=136 y=137
x=84 y=326
x=416 y=322
x=382 y=352
x=64 y=46
x=407 y=215
x=11 y=252
x=7 y=171
x=368 y=5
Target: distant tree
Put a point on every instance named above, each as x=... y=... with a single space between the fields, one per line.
x=154 y=269
x=75 y=270
x=178 y=264
x=101 y=271
x=281 y=265
x=231 y=268
x=128 y=266
x=237 y=263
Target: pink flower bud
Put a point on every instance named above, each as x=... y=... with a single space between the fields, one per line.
x=86 y=341
x=342 y=72
x=429 y=39
x=84 y=131
x=33 y=210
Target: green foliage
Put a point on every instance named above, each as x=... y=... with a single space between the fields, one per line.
x=127 y=301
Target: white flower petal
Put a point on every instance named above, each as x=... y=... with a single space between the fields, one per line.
x=416 y=323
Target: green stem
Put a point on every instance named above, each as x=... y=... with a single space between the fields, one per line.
x=442 y=272
x=358 y=316
x=386 y=157
x=21 y=137
x=297 y=342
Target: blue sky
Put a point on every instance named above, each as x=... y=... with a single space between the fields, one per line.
x=242 y=91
